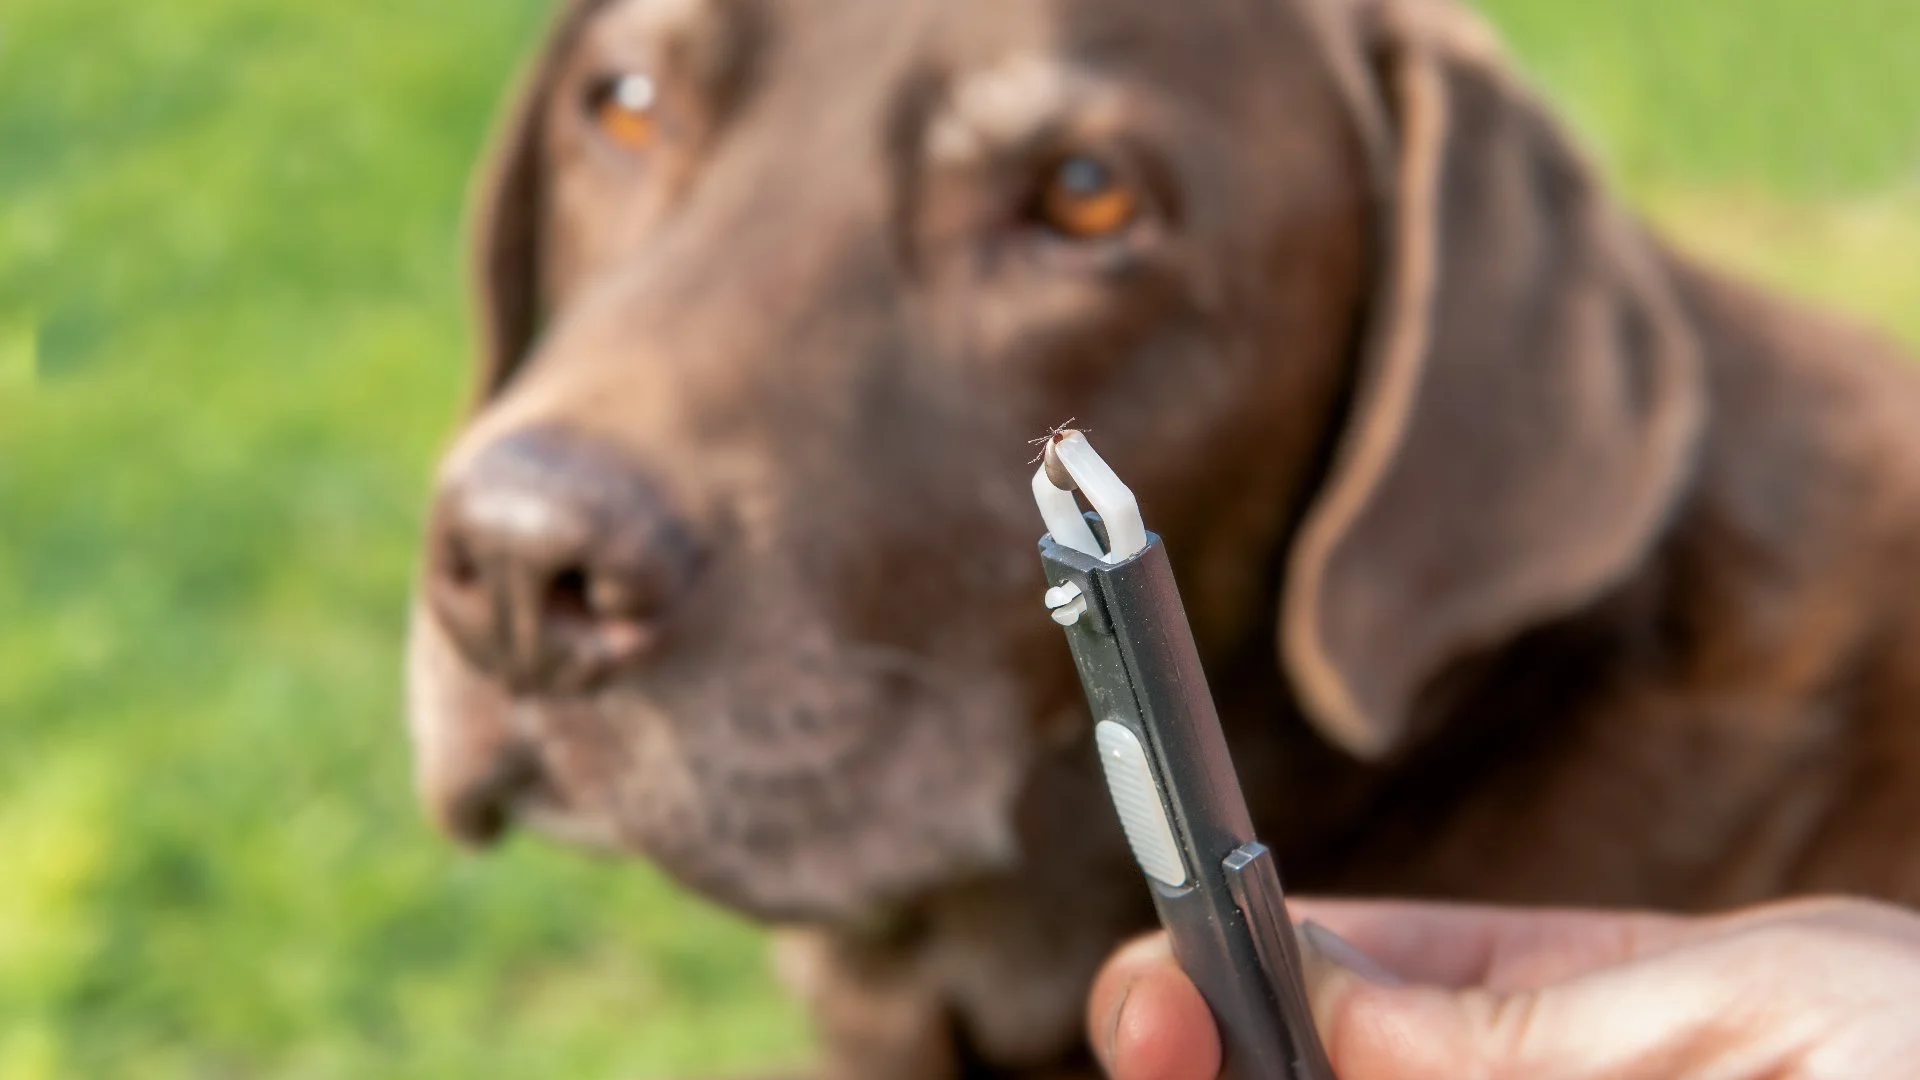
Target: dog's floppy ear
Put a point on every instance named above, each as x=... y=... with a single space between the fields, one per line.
x=1528 y=403
x=509 y=210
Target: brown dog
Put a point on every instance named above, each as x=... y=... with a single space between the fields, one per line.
x=1590 y=573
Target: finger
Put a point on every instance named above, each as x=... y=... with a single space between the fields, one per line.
x=1835 y=913
x=1147 y=1021
x=1748 y=1004
x=1737 y=1002
x=1376 y=1028
x=1498 y=948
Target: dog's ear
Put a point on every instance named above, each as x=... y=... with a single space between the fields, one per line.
x=509 y=211
x=1527 y=407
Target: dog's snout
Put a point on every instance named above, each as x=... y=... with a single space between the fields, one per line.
x=555 y=561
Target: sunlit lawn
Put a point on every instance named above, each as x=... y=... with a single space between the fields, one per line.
x=230 y=338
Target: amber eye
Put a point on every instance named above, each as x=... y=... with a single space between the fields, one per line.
x=623 y=108
x=1086 y=198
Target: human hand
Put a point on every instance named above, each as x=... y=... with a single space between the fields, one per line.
x=1796 y=991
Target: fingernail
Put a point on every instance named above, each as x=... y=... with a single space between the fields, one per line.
x=1336 y=950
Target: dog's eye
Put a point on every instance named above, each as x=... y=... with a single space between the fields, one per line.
x=623 y=109
x=1085 y=198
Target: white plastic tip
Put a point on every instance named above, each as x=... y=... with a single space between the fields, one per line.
x=1113 y=500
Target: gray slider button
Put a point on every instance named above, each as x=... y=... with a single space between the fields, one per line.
x=1142 y=812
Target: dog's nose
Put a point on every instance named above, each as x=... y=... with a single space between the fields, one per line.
x=478 y=812
x=553 y=561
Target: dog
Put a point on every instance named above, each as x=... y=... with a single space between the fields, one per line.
x=1530 y=560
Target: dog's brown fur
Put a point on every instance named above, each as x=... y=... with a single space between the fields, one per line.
x=1590 y=571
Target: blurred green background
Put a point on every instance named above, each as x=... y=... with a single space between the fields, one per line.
x=231 y=339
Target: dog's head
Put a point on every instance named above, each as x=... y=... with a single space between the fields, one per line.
x=733 y=564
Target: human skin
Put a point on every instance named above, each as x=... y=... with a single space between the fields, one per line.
x=1807 y=990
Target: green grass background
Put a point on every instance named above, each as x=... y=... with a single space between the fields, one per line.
x=231 y=338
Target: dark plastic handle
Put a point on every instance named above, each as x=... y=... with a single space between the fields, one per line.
x=1228 y=921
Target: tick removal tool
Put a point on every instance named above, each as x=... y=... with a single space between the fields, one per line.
x=1216 y=887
